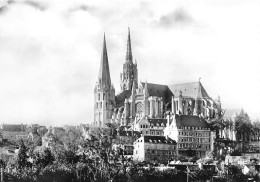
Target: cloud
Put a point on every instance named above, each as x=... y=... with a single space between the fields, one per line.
x=50 y=55
x=34 y=4
x=37 y=5
x=177 y=17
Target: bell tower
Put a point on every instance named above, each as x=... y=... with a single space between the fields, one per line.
x=104 y=92
x=129 y=74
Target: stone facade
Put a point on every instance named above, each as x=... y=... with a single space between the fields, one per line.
x=104 y=92
x=154 y=149
x=151 y=126
x=190 y=133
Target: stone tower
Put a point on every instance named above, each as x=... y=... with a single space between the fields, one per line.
x=129 y=74
x=104 y=92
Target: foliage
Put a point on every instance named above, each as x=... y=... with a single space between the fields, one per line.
x=22 y=158
x=191 y=153
x=39 y=142
x=70 y=158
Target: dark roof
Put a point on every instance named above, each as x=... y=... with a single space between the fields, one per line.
x=191 y=121
x=193 y=89
x=157 y=121
x=120 y=98
x=158 y=139
x=158 y=90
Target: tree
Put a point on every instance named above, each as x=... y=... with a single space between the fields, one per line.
x=22 y=158
x=39 y=142
x=191 y=153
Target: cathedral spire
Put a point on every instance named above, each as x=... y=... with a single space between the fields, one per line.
x=104 y=74
x=129 y=57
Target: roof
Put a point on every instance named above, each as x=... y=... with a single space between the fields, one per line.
x=193 y=89
x=158 y=90
x=158 y=139
x=191 y=121
x=155 y=121
x=120 y=98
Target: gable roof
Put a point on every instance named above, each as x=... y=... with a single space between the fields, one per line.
x=191 y=121
x=193 y=89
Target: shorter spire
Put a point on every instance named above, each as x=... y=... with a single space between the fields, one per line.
x=129 y=57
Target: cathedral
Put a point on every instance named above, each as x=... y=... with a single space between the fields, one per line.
x=138 y=101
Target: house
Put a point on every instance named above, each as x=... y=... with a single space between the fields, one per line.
x=154 y=148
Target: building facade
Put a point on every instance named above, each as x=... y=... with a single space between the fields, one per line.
x=13 y=131
x=190 y=133
x=154 y=149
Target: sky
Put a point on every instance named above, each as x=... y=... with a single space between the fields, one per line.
x=50 y=52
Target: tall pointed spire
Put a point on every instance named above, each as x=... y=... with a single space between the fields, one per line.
x=104 y=74
x=129 y=57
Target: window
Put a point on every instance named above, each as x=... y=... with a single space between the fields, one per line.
x=98 y=96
